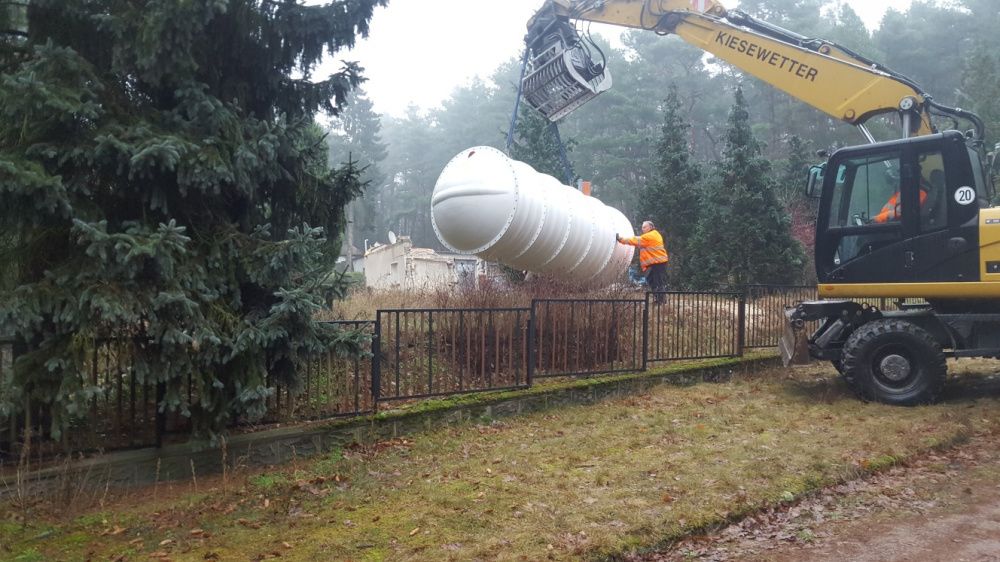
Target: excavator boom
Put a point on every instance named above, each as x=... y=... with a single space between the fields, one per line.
x=829 y=77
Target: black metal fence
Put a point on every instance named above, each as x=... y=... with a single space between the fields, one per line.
x=764 y=311
x=332 y=385
x=692 y=325
x=421 y=353
x=124 y=413
x=574 y=337
x=437 y=352
x=121 y=413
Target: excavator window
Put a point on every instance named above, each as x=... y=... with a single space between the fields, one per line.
x=934 y=208
x=865 y=187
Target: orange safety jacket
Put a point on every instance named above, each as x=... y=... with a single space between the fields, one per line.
x=651 y=248
x=890 y=211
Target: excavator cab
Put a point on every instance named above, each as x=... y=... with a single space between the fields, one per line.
x=564 y=73
x=903 y=211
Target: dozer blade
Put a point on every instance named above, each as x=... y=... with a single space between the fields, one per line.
x=564 y=82
x=793 y=345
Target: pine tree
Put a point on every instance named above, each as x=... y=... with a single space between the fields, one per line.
x=672 y=197
x=981 y=88
x=536 y=144
x=743 y=235
x=416 y=162
x=802 y=210
x=355 y=136
x=165 y=186
x=791 y=183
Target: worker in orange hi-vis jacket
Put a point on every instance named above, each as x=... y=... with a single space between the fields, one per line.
x=653 y=257
x=890 y=211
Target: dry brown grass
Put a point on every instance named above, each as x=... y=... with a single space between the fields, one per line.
x=564 y=484
x=362 y=303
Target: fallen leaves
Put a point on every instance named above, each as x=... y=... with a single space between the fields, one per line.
x=665 y=474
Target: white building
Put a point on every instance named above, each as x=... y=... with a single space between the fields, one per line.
x=401 y=266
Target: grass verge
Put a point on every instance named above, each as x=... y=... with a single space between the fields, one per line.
x=580 y=482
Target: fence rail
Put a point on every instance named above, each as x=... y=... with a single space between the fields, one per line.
x=332 y=385
x=690 y=325
x=765 y=311
x=576 y=337
x=439 y=352
x=422 y=353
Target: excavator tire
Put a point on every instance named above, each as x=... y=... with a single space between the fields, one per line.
x=894 y=362
x=839 y=365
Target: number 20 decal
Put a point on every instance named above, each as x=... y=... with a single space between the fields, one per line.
x=965 y=195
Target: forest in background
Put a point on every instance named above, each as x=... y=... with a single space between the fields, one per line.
x=657 y=145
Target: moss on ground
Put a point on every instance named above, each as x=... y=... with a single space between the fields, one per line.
x=585 y=481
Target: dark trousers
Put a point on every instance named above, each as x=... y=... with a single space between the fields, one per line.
x=656 y=278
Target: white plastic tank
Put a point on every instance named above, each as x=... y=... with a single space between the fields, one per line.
x=502 y=210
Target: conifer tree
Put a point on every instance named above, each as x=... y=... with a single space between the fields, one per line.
x=355 y=136
x=166 y=186
x=801 y=210
x=743 y=235
x=981 y=88
x=535 y=143
x=672 y=197
x=794 y=170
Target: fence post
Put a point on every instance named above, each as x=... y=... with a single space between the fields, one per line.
x=430 y=352
x=741 y=329
x=530 y=371
x=376 y=360
x=645 y=332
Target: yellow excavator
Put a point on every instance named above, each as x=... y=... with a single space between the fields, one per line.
x=906 y=218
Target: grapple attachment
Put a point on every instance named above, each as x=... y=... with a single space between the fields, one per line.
x=564 y=82
x=563 y=74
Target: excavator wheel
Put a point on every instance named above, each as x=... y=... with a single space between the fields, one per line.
x=895 y=362
x=845 y=376
x=839 y=365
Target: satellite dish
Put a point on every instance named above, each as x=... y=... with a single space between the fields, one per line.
x=392 y=237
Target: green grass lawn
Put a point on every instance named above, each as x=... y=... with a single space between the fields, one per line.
x=579 y=482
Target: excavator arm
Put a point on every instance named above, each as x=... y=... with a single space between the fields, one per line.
x=829 y=77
